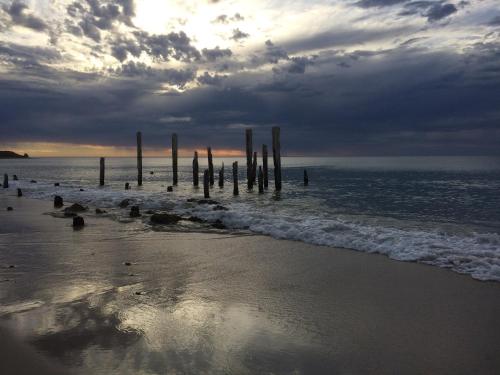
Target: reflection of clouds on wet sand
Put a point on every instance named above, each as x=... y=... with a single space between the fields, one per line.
x=116 y=330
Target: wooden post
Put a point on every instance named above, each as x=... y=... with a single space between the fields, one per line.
x=261 y=181
x=206 y=188
x=235 y=178
x=5 y=181
x=195 y=170
x=277 y=158
x=210 y=166
x=254 y=168
x=221 y=176
x=101 y=172
x=249 y=149
x=139 y=158
x=174 y=159
x=306 y=178
x=264 y=166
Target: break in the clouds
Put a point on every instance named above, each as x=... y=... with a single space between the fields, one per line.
x=339 y=76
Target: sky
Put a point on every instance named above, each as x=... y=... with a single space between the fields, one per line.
x=340 y=77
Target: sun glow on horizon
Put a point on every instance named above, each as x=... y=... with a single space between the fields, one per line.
x=53 y=149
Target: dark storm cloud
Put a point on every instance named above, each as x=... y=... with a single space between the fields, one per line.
x=162 y=46
x=216 y=53
x=439 y=11
x=211 y=79
x=394 y=101
x=19 y=14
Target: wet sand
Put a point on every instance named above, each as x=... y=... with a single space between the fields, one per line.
x=195 y=303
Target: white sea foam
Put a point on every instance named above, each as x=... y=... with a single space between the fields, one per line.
x=477 y=254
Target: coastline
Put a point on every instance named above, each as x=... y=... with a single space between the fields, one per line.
x=288 y=305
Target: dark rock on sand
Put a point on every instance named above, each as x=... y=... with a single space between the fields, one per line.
x=165 y=218
x=207 y=201
x=218 y=224
x=14 y=177
x=127 y=263
x=127 y=186
x=134 y=211
x=170 y=189
x=33 y=181
x=124 y=203
x=219 y=208
x=78 y=222
x=195 y=219
x=56 y=184
x=150 y=212
x=10 y=209
x=75 y=208
x=192 y=200
x=58 y=201
x=82 y=190
x=98 y=211
x=19 y=192
x=151 y=172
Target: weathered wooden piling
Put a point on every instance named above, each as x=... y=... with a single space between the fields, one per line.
x=306 y=178
x=249 y=150
x=174 y=159
x=127 y=186
x=261 y=180
x=254 y=168
x=19 y=192
x=196 y=179
x=206 y=180
x=101 y=171
x=139 y=158
x=210 y=166
x=14 y=177
x=5 y=181
x=264 y=166
x=235 y=178
x=277 y=158
x=221 y=176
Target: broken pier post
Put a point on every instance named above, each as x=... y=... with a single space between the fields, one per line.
x=264 y=166
x=210 y=166
x=206 y=187
x=196 y=180
x=101 y=171
x=249 y=151
x=235 y=178
x=306 y=178
x=5 y=181
x=221 y=176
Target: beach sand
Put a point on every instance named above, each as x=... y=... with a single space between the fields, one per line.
x=221 y=303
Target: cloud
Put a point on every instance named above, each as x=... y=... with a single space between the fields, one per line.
x=440 y=11
x=238 y=35
x=495 y=21
x=211 y=79
x=21 y=16
x=216 y=53
x=379 y=3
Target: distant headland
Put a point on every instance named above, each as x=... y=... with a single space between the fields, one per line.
x=12 y=155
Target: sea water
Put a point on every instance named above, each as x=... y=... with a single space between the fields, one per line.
x=443 y=211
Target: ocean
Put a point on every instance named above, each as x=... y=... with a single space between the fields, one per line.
x=442 y=211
